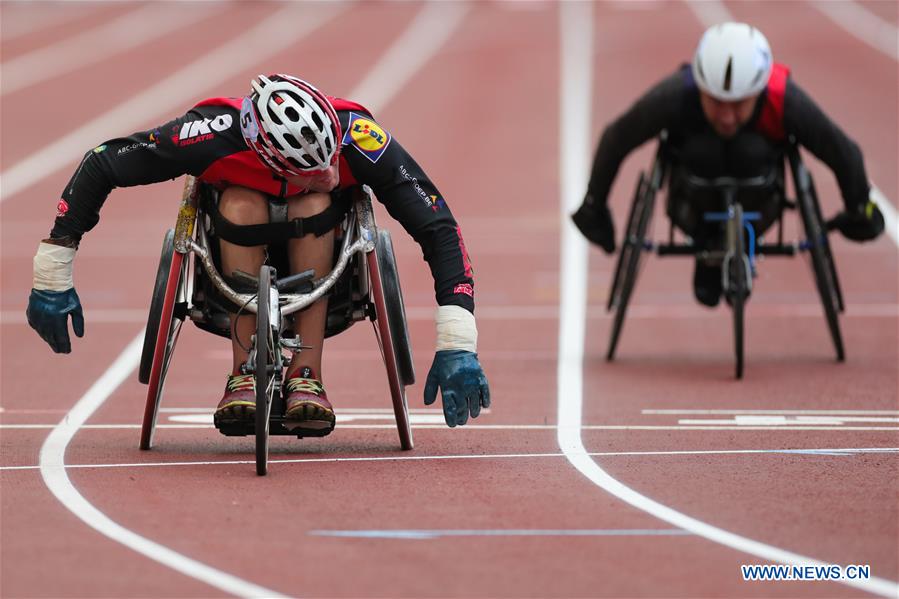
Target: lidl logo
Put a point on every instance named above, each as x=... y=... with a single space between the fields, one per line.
x=366 y=136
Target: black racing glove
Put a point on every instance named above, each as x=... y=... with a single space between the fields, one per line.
x=860 y=224
x=594 y=221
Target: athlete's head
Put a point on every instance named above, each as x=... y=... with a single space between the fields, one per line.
x=291 y=126
x=731 y=66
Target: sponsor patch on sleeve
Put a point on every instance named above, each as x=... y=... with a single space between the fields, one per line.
x=366 y=136
x=464 y=288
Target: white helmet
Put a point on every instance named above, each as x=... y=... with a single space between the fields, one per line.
x=291 y=125
x=732 y=62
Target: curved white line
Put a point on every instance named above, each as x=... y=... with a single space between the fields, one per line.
x=283 y=26
x=53 y=471
x=576 y=22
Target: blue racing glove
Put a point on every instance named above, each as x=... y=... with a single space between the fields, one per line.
x=48 y=314
x=462 y=383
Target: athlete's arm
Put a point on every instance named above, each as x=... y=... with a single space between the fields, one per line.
x=412 y=199
x=645 y=119
x=184 y=145
x=814 y=130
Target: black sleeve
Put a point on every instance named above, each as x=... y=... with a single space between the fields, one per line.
x=814 y=130
x=644 y=120
x=188 y=144
x=412 y=199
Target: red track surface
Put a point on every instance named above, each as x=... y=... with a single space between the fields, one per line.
x=482 y=117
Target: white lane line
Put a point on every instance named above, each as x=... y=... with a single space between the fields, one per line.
x=779 y=419
x=542 y=312
x=410 y=51
x=25 y=18
x=576 y=35
x=343 y=418
x=890 y=219
x=425 y=534
x=793 y=412
x=53 y=471
x=845 y=451
x=384 y=411
x=166 y=98
x=130 y=30
x=503 y=427
x=863 y=24
x=281 y=26
x=110 y=316
x=710 y=12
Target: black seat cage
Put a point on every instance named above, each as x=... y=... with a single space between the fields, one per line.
x=728 y=187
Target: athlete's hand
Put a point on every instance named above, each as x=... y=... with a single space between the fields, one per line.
x=53 y=295
x=594 y=220
x=462 y=384
x=862 y=224
x=48 y=314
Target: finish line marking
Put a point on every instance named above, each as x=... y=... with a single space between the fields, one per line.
x=845 y=451
x=440 y=426
x=418 y=535
x=788 y=412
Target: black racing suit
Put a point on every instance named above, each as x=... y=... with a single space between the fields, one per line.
x=673 y=105
x=207 y=143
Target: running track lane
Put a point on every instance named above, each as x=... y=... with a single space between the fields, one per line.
x=789 y=363
x=387 y=489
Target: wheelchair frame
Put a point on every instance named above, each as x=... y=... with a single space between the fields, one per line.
x=739 y=264
x=365 y=266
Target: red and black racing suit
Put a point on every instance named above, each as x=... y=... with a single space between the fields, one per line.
x=783 y=110
x=207 y=143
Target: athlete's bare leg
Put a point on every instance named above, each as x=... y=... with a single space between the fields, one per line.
x=242 y=206
x=315 y=253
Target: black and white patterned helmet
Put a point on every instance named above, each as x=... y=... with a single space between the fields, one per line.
x=291 y=125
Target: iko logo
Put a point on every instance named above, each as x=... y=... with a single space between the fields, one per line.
x=197 y=131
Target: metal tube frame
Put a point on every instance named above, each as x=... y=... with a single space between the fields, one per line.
x=359 y=237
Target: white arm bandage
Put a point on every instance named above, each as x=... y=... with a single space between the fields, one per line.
x=53 y=267
x=456 y=329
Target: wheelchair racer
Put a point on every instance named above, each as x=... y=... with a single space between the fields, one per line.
x=288 y=141
x=726 y=114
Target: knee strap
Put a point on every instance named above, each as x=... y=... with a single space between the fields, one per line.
x=267 y=233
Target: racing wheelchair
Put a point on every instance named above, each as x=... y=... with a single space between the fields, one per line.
x=741 y=246
x=364 y=284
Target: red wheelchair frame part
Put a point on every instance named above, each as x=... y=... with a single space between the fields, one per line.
x=165 y=323
x=397 y=391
